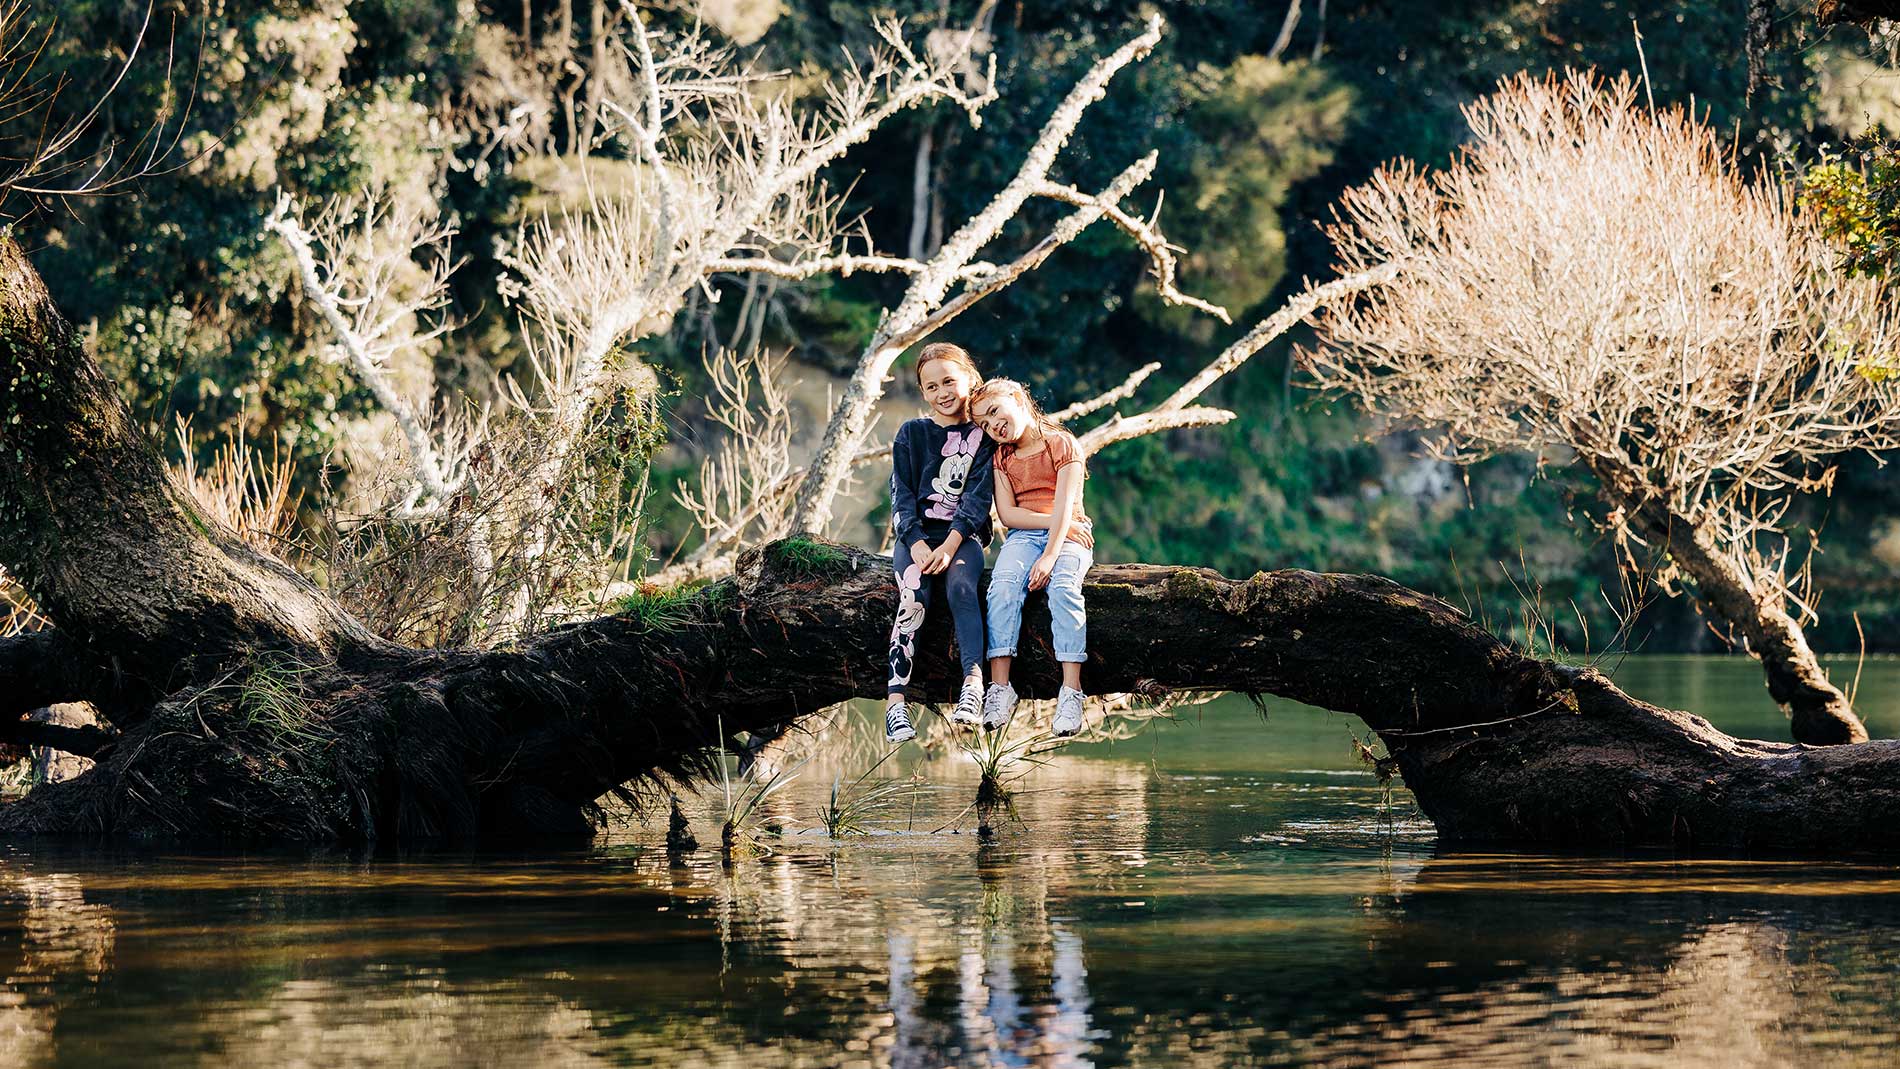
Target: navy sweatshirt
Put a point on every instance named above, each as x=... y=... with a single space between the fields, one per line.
x=940 y=482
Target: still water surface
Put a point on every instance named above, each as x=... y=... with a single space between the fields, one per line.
x=1218 y=892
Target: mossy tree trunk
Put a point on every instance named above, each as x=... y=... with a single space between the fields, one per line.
x=249 y=705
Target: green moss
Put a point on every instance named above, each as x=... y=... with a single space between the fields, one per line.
x=190 y=508
x=1191 y=585
x=805 y=556
x=716 y=596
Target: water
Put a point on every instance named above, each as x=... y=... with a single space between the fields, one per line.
x=1218 y=892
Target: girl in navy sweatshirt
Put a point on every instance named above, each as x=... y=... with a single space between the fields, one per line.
x=940 y=506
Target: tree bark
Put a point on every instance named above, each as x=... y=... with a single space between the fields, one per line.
x=1818 y=713
x=145 y=588
x=270 y=714
x=1286 y=30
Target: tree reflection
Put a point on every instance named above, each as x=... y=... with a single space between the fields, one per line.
x=1127 y=920
x=53 y=941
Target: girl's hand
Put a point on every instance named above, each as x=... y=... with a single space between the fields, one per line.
x=941 y=557
x=920 y=554
x=1040 y=571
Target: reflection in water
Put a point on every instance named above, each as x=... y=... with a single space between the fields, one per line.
x=54 y=939
x=1185 y=902
x=319 y=1022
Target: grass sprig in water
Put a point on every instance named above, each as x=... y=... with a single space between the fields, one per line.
x=852 y=806
x=742 y=828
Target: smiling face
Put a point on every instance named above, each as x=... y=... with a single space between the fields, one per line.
x=1002 y=414
x=946 y=387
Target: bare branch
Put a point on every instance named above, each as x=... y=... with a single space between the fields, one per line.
x=924 y=308
x=737 y=483
x=1292 y=312
x=845 y=265
x=1160 y=253
x=1115 y=396
x=897 y=340
x=47 y=169
x=1122 y=428
x=354 y=288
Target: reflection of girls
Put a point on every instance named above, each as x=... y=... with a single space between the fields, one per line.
x=1039 y=473
x=940 y=506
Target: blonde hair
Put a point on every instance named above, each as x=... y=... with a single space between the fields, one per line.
x=1011 y=386
x=957 y=356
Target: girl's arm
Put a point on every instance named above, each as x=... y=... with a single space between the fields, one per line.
x=973 y=508
x=1013 y=517
x=910 y=530
x=1068 y=492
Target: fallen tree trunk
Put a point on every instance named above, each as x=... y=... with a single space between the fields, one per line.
x=248 y=704
x=1494 y=745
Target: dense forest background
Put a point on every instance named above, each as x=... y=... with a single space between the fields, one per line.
x=489 y=112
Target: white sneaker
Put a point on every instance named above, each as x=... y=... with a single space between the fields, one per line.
x=998 y=703
x=969 y=710
x=1068 y=718
x=897 y=724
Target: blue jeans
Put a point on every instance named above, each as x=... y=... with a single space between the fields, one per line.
x=1009 y=585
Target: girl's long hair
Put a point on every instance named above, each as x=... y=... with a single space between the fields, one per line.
x=952 y=354
x=1011 y=386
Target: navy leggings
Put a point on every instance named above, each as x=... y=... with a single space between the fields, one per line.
x=915 y=592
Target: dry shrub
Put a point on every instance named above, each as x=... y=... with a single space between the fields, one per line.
x=241 y=490
x=1599 y=281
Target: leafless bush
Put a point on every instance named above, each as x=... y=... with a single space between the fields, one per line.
x=1597 y=283
x=21 y=613
x=358 y=263
x=734 y=490
x=533 y=502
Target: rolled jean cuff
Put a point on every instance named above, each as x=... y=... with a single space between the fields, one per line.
x=1078 y=657
x=1002 y=651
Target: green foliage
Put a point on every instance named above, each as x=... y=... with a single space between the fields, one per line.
x=1262 y=126
x=658 y=610
x=1002 y=756
x=272 y=703
x=192 y=309
x=193 y=313
x=262 y=724
x=1854 y=196
x=1293 y=484
x=744 y=821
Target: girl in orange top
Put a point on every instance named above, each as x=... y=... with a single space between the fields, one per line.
x=1039 y=468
